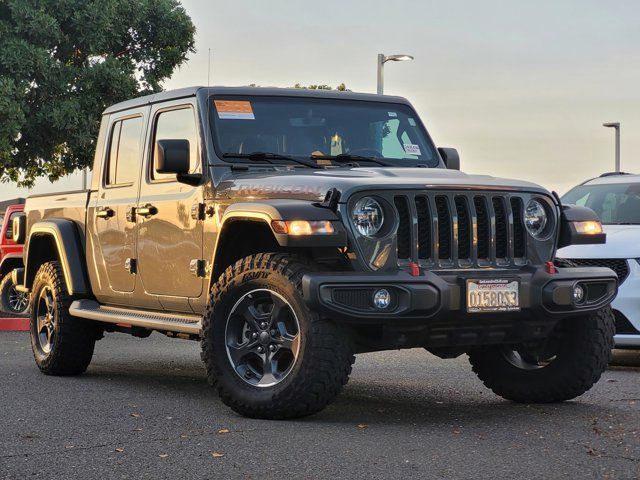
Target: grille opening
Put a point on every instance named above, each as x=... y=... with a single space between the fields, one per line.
x=353 y=297
x=618 y=265
x=519 y=237
x=444 y=228
x=424 y=227
x=464 y=228
x=502 y=228
x=484 y=230
x=404 y=227
x=454 y=229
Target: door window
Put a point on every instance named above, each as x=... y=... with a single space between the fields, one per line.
x=176 y=125
x=9 y=233
x=124 y=151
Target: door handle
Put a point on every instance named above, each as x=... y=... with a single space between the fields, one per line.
x=147 y=211
x=105 y=212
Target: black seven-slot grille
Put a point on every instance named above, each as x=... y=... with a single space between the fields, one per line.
x=618 y=265
x=461 y=230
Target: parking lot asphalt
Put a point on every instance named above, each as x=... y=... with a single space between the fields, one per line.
x=144 y=410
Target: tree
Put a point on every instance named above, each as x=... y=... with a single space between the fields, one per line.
x=341 y=88
x=62 y=62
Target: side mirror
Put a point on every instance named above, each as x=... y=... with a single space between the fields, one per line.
x=19 y=229
x=580 y=226
x=172 y=156
x=450 y=157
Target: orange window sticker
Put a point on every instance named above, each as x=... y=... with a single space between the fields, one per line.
x=234 y=109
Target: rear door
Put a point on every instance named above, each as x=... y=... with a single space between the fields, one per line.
x=118 y=195
x=170 y=234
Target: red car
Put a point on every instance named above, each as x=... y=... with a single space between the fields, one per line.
x=11 y=301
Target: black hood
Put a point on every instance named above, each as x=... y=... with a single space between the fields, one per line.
x=312 y=185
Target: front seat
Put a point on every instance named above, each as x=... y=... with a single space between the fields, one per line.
x=629 y=211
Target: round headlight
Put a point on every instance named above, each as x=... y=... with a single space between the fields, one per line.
x=535 y=218
x=367 y=216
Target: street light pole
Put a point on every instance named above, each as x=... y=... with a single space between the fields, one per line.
x=380 y=73
x=382 y=59
x=616 y=126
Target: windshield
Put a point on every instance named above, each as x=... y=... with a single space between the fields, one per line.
x=615 y=204
x=320 y=130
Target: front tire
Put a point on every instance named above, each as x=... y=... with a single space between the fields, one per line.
x=269 y=355
x=563 y=367
x=62 y=344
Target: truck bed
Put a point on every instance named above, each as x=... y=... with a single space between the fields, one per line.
x=69 y=205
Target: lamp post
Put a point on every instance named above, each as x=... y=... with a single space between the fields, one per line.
x=382 y=59
x=616 y=126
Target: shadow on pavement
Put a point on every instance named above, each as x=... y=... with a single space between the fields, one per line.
x=363 y=401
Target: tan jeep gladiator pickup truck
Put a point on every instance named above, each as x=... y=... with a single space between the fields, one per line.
x=288 y=230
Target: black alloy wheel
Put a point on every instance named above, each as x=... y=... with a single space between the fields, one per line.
x=262 y=338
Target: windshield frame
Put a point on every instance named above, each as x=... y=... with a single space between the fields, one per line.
x=208 y=99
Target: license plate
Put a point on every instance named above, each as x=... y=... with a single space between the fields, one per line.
x=493 y=296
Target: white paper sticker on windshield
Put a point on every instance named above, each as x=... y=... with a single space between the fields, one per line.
x=412 y=122
x=234 y=110
x=392 y=114
x=412 y=149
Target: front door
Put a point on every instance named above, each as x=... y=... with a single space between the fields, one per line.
x=115 y=232
x=169 y=230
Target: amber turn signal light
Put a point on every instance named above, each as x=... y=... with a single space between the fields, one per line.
x=302 y=227
x=590 y=227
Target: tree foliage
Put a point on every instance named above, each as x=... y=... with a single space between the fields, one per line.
x=341 y=88
x=62 y=62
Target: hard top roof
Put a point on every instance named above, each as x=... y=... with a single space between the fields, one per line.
x=610 y=179
x=263 y=91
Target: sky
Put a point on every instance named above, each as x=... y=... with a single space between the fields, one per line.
x=521 y=89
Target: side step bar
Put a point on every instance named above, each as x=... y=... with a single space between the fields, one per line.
x=166 y=322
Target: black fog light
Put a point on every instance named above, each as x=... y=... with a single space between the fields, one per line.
x=382 y=298
x=578 y=294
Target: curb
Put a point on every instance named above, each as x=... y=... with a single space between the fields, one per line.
x=14 y=324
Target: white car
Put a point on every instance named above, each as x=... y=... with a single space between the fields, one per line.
x=616 y=200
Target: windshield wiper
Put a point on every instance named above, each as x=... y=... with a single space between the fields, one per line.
x=268 y=157
x=347 y=157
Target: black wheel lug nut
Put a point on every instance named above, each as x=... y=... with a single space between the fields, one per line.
x=263 y=325
x=260 y=349
x=273 y=333
x=254 y=335
x=272 y=347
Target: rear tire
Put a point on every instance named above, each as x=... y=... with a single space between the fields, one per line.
x=578 y=352
x=12 y=301
x=269 y=355
x=62 y=344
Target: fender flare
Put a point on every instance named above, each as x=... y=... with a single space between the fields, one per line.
x=269 y=210
x=69 y=249
x=14 y=259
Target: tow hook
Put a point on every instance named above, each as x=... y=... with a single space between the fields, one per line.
x=414 y=269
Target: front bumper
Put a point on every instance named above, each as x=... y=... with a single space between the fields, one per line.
x=433 y=297
x=627 y=309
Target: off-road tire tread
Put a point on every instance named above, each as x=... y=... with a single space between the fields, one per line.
x=75 y=338
x=331 y=354
x=594 y=339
